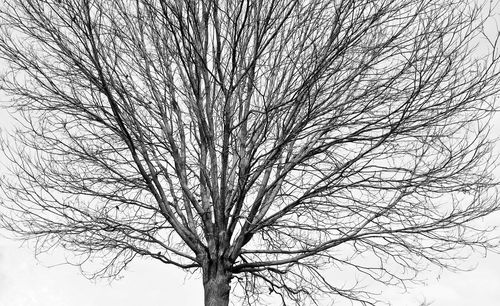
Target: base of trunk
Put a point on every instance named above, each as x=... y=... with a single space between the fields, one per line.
x=217 y=288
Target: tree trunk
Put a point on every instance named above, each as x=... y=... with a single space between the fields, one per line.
x=216 y=283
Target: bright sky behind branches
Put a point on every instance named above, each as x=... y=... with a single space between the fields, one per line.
x=24 y=281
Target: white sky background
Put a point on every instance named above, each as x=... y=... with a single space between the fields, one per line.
x=24 y=281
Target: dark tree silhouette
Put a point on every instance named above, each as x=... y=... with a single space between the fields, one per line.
x=256 y=142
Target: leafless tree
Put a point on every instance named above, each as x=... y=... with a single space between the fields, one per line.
x=259 y=143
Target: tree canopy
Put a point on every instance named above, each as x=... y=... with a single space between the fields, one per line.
x=261 y=143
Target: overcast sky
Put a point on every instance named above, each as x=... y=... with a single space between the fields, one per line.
x=24 y=281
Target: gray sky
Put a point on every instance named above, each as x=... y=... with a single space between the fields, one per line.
x=24 y=281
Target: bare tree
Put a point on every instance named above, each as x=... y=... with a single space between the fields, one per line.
x=257 y=142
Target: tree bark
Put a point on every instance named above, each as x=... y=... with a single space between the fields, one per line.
x=216 y=284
